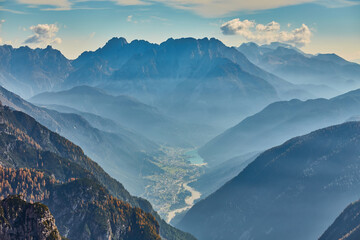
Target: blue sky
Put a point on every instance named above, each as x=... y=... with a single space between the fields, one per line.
x=74 y=26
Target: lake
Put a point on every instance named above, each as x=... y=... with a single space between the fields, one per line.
x=194 y=157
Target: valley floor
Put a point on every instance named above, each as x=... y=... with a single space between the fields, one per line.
x=190 y=200
x=169 y=192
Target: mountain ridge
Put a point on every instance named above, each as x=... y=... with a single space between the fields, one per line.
x=160 y=74
x=299 y=68
x=288 y=119
x=123 y=147
x=22 y=220
x=319 y=169
x=346 y=226
x=48 y=151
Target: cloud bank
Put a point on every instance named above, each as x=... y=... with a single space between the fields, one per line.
x=58 y=4
x=43 y=34
x=206 y=8
x=268 y=33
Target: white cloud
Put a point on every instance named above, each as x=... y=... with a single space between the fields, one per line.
x=2 y=9
x=58 y=4
x=337 y=3
x=207 y=8
x=236 y=26
x=1 y=41
x=43 y=34
x=130 y=19
x=57 y=41
x=61 y=5
x=270 y=27
x=92 y=35
x=130 y=2
x=267 y=33
x=216 y=8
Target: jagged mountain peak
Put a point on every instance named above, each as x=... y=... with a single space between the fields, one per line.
x=23 y=220
x=116 y=41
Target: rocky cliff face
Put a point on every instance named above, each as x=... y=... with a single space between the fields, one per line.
x=22 y=220
x=83 y=209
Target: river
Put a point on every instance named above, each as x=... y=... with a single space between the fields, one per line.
x=189 y=201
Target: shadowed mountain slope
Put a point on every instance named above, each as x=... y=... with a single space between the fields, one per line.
x=292 y=191
x=122 y=153
x=346 y=226
x=27 y=144
x=278 y=122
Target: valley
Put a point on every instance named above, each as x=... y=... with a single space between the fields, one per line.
x=190 y=200
x=211 y=120
x=169 y=191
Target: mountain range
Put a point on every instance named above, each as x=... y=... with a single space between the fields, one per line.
x=190 y=79
x=120 y=121
x=29 y=71
x=278 y=122
x=127 y=111
x=186 y=77
x=292 y=191
x=327 y=74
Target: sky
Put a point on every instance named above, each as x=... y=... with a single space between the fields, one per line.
x=74 y=26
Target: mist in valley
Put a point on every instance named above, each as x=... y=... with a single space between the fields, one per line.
x=256 y=141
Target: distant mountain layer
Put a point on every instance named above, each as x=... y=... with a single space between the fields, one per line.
x=127 y=111
x=29 y=71
x=292 y=191
x=184 y=76
x=24 y=143
x=278 y=122
x=22 y=220
x=346 y=226
x=295 y=66
x=201 y=77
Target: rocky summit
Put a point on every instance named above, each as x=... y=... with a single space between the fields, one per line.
x=23 y=220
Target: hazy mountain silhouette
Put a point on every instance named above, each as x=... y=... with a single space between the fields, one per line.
x=292 y=191
x=295 y=66
x=127 y=111
x=198 y=80
x=278 y=122
x=29 y=71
